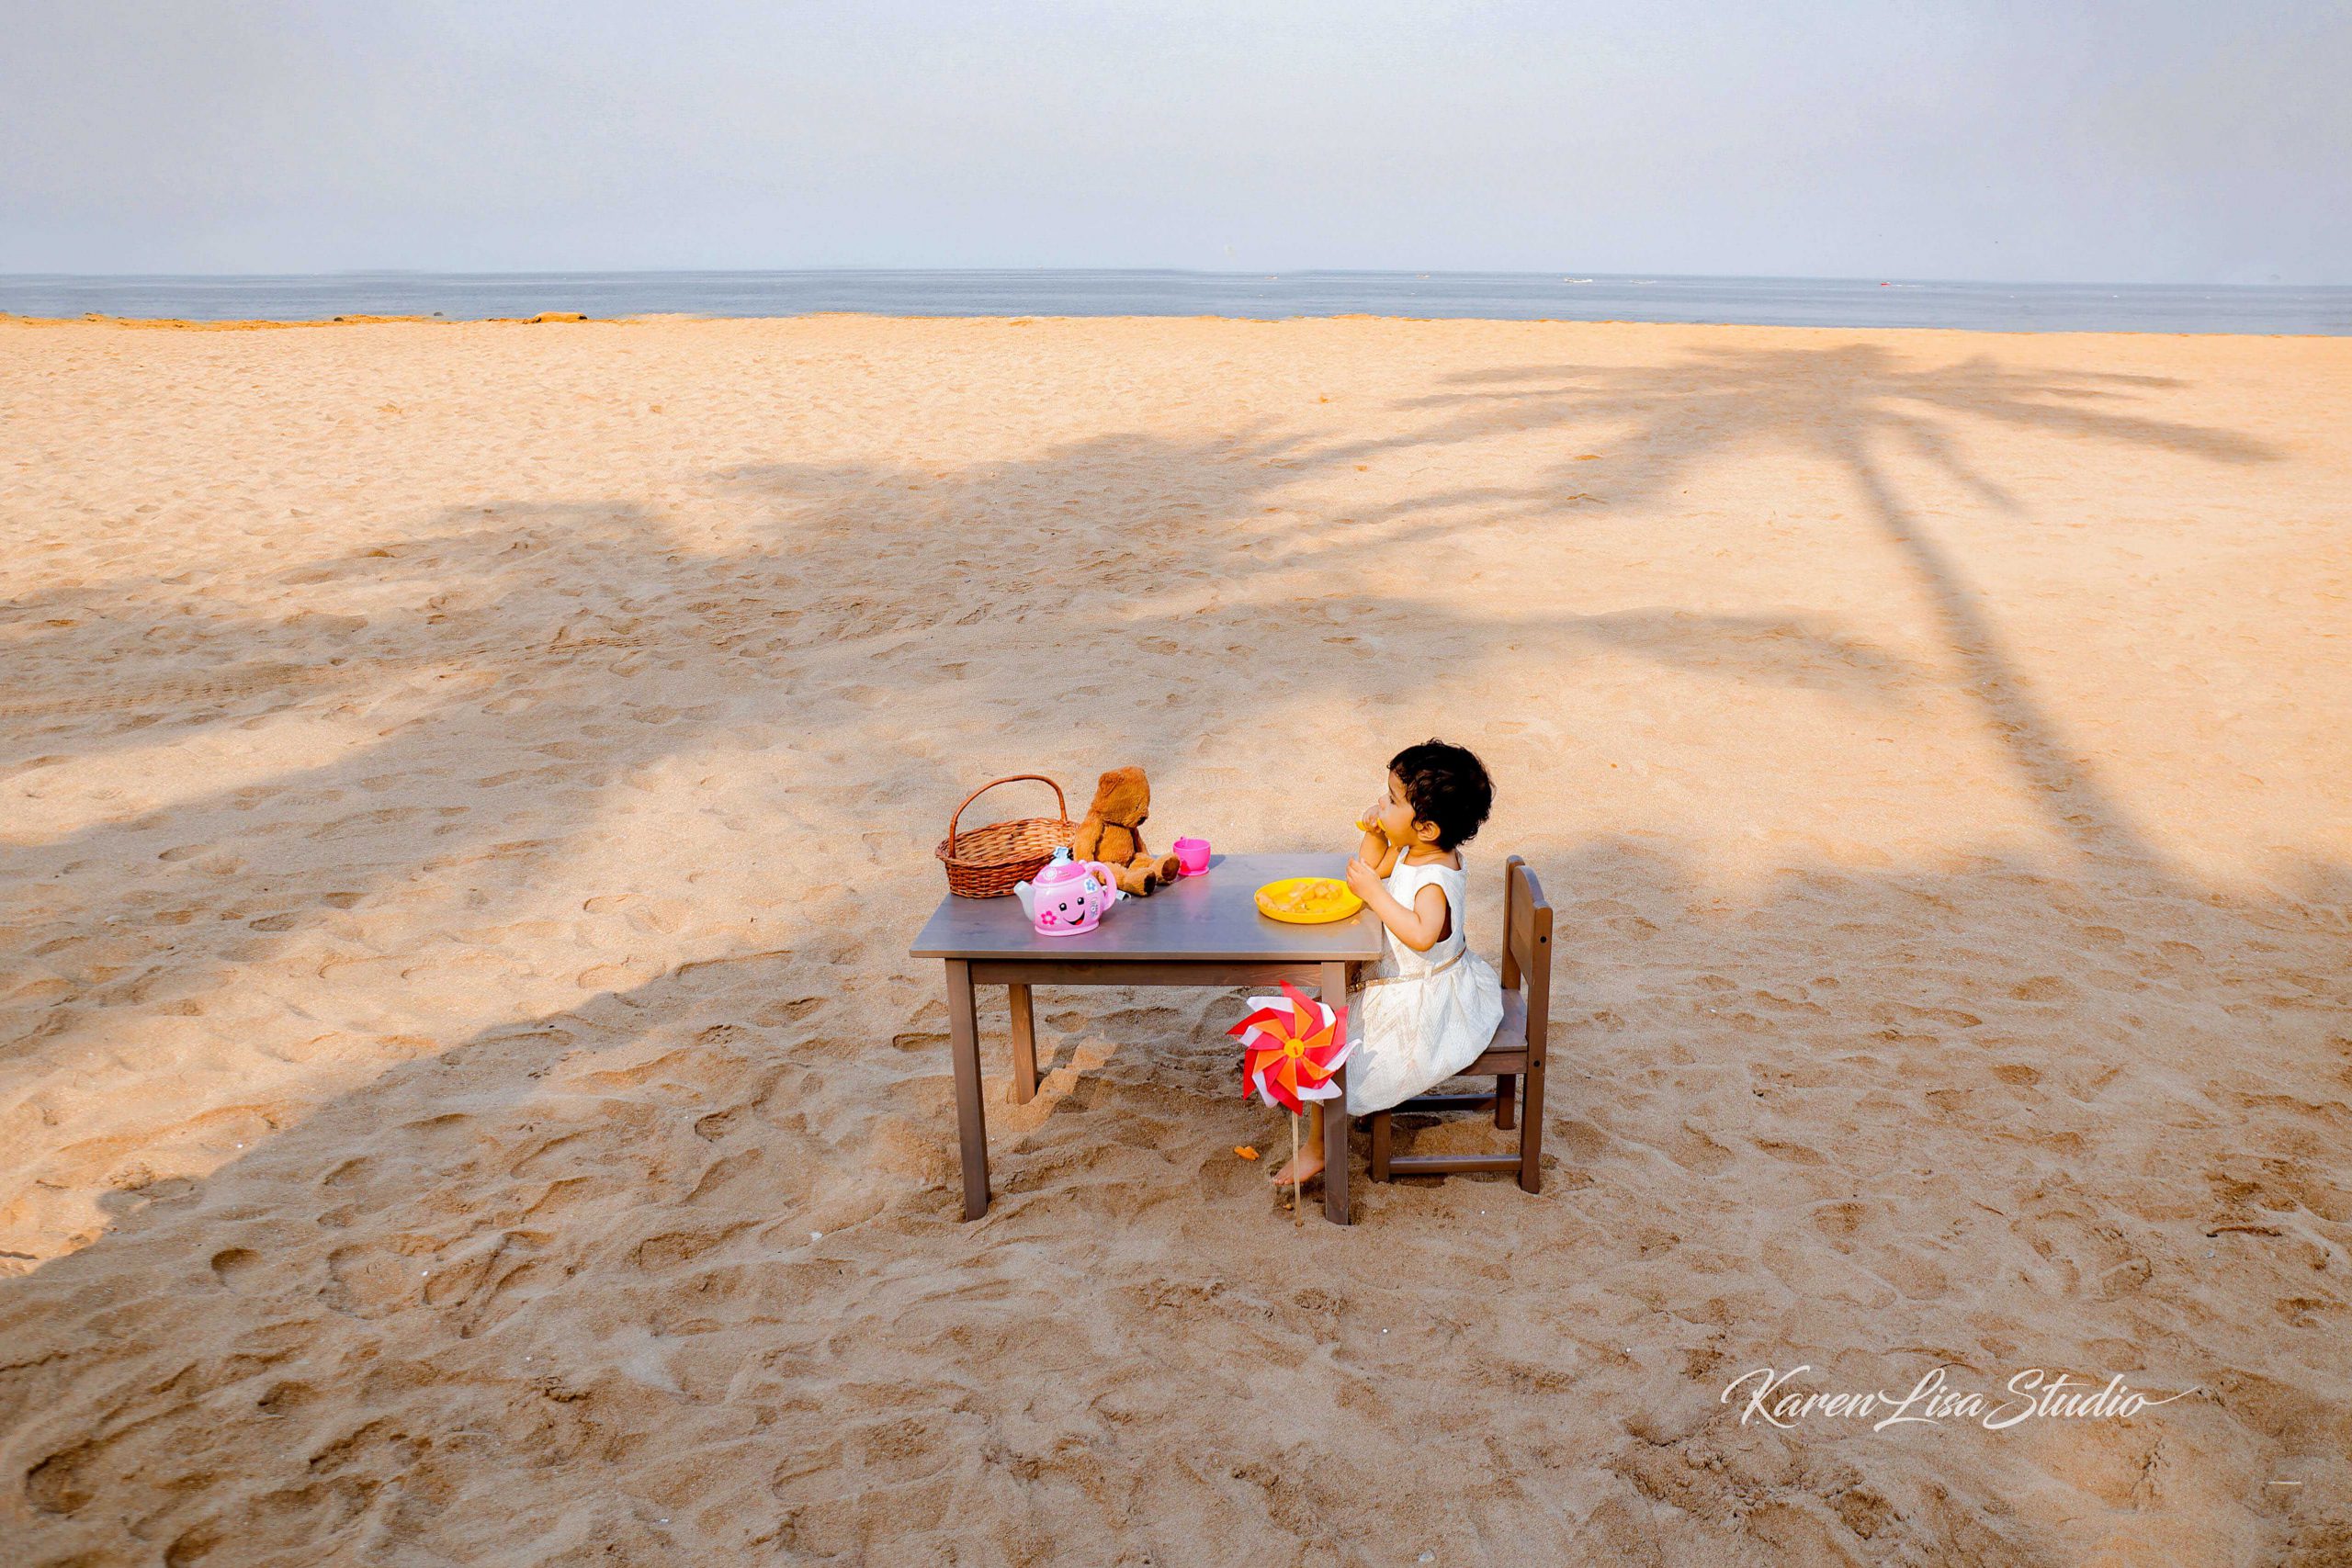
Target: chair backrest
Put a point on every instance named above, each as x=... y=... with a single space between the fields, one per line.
x=1527 y=947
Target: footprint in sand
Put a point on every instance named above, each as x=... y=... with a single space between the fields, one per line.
x=236 y=1267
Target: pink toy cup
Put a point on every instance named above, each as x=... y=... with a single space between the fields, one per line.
x=1192 y=856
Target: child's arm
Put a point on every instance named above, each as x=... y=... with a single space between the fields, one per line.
x=1418 y=925
x=1374 y=850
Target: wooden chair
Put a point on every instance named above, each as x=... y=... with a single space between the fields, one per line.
x=1515 y=1053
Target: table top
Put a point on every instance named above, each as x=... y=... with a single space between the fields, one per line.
x=1213 y=916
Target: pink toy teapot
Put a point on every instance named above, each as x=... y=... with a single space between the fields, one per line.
x=1069 y=895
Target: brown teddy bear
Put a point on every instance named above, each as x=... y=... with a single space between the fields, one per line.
x=1113 y=832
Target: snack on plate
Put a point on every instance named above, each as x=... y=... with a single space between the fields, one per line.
x=1308 y=900
x=1308 y=895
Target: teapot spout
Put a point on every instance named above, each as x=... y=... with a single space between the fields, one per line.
x=1028 y=896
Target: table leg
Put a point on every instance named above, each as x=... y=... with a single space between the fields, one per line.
x=1024 y=1046
x=1334 y=986
x=972 y=1118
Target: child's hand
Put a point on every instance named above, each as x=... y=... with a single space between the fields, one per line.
x=1363 y=877
x=1368 y=819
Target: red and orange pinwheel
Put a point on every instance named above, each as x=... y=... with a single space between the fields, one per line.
x=1290 y=1046
x=1292 y=1049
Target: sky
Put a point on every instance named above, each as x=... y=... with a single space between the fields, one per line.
x=2197 y=141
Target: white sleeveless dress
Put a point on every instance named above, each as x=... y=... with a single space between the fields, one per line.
x=1420 y=1018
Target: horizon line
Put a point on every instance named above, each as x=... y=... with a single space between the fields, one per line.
x=1252 y=274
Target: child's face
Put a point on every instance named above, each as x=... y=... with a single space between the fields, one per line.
x=1395 y=818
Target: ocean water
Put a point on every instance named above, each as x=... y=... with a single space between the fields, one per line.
x=1758 y=301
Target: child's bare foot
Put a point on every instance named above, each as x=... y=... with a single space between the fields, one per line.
x=1309 y=1165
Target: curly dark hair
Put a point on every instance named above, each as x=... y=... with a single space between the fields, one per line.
x=1447 y=785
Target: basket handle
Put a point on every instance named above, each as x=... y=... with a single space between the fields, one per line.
x=1061 y=807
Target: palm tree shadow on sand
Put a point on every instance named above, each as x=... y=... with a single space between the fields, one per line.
x=554 y=646
x=1854 y=405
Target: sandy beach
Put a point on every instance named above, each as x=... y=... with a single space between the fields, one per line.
x=467 y=791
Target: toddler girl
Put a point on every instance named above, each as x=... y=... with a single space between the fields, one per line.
x=1431 y=1005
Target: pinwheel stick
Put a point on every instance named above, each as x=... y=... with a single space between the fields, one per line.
x=1297 y=1182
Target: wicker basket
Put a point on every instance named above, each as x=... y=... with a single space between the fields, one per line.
x=987 y=862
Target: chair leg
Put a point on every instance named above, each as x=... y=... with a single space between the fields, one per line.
x=1379 y=1120
x=1531 y=1133
x=1504 y=1085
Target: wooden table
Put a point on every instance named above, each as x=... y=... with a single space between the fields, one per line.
x=1203 y=931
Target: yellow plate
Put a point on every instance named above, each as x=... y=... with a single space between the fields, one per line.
x=1307 y=900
